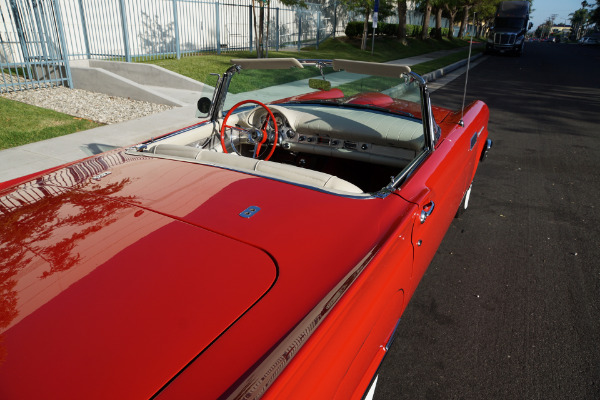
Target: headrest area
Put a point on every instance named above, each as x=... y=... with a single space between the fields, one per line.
x=272 y=169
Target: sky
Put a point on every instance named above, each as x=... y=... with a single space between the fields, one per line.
x=543 y=9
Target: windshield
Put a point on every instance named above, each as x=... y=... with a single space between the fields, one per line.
x=319 y=83
x=509 y=23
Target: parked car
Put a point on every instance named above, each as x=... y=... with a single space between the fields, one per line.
x=588 y=40
x=267 y=251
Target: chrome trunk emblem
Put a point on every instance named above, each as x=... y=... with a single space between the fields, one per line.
x=100 y=176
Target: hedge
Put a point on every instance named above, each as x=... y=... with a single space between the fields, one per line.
x=355 y=29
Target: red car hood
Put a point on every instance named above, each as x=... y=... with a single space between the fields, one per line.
x=118 y=272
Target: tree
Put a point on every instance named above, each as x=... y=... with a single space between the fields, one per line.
x=427 y=15
x=365 y=7
x=485 y=12
x=259 y=27
x=579 y=20
x=262 y=37
x=484 y=8
x=583 y=18
x=595 y=15
x=467 y=6
x=464 y=22
x=546 y=28
x=402 y=21
x=438 y=9
x=451 y=7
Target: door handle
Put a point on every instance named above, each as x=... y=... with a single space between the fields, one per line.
x=427 y=210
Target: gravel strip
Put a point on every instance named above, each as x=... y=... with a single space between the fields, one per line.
x=88 y=105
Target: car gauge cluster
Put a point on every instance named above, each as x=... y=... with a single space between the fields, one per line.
x=298 y=140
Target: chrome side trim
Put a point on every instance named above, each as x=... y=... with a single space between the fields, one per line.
x=475 y=137
x=260 y=379
x=376 y=374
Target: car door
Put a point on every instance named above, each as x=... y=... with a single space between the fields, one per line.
x=436 y=187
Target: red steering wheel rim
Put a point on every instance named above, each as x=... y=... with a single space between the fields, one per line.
x=264 y=138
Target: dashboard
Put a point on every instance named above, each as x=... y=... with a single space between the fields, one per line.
x=358 y=134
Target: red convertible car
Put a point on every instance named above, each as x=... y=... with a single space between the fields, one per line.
x=265 y=252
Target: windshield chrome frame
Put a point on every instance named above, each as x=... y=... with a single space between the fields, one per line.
x=429 y=125
x=431 y=133
x=216 y=109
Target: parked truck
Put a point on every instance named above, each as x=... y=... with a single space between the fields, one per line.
x=511 y=23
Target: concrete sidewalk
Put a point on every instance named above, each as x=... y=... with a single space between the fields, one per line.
x=33 y=157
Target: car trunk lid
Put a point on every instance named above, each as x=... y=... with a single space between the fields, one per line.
x=97 y=288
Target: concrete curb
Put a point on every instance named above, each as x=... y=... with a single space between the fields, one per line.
x=438 y=73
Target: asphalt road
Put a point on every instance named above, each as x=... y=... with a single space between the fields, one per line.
x=510 y=306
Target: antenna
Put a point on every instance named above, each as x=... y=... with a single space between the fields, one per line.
x=462 y=110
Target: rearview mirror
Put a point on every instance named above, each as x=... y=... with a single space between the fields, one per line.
x=320 y=84
x=204 y=104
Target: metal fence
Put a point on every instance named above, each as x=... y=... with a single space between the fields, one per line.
x=39 y=37
x=148 y=29
x=32 y=46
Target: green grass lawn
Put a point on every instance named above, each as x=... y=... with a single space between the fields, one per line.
x=386 y=49
x=378 y=84
x=432 y=65
x=22 y=123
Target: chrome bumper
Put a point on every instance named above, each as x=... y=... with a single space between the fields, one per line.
x=486 y=147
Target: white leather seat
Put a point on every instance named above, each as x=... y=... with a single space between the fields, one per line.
x=276 y=170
